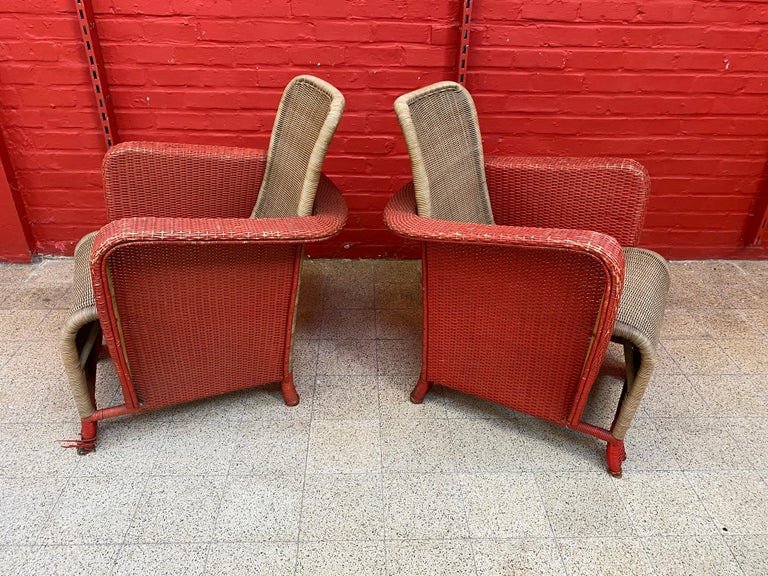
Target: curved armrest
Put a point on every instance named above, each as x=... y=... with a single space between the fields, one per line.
x=608 y=195
x=328 y=219
x=400 y=215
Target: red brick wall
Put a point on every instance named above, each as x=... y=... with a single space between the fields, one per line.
x=679 y=85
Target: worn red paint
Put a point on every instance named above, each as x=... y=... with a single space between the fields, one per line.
x=678 y=85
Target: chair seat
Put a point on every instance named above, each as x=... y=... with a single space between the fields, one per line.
x=641 y=311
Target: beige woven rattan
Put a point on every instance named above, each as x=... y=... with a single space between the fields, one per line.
x=81 y=328
x=306 y=120
x=440 y=126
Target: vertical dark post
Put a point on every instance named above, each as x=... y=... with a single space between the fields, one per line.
x=466 y=20
x=97 y=71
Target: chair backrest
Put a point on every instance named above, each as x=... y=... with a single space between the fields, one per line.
x=440 y=126
x=309 y=112
x=168 y=180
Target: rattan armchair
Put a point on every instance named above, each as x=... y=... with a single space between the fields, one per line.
x=529 y=269
x=194 y=281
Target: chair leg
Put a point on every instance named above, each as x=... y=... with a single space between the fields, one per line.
x=88 y=432
x=615 y=454
x=420 y=390
x=290 y=396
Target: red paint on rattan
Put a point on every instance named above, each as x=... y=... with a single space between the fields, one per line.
x=193 y=305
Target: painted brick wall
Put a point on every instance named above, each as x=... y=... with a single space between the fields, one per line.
x=680 y=85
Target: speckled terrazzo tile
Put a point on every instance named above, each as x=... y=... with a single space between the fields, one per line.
x=188 y=448
x=605 y=556
x=700 y=444
x=166 y=559
x=347 y=284
x=93 y=511
x=424 y=506
x=664 y=503
x=266 y=402
x=398 y=357
x=394 y=399
x=647 y=449
x=749 y=354
x=270 y=446
x=26 y=504
x=12 y=557
x=309 y=322
x=15 y=274
x=127 y=447
x=734 y=395
x=673 y=396
x=398 y=324
x=461 y=405
x=38 y=297
x=341 y=558
x=344 y=446
x=752 y=436
x=21 y=324
x=346 y=397
x=665 y=364
x=412 y=445
x=398 y=296
x=177 y=509
x=259 y=508
x=252 y=558
x=434 y=557
x=700 y=356
x=53 y=271
x=737 y=500
x=691 y=556
x=397 y=271
x=346 y=357
x=342 y=507
x=751 y=553
x=757 y=317
x=304 y=355
x=583 y=504
x=519 y=557
x=504 y=506
x=34 y=450
x=682 y=323
x=487 y=446
x=552 y=447
x=725 y=323
x=70 y=560
x=348 y=324
x=693 y=296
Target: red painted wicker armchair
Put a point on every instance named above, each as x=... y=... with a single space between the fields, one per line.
x=194 y=296
x=525 y=278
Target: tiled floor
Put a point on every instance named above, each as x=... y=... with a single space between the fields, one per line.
x=356 y=480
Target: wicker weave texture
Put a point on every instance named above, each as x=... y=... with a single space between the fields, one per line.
x=607 y=195
x=159 y=179
x=440 y=126
x=199 y=319
x=306 y=120
x=193 y=307
x=516 y=325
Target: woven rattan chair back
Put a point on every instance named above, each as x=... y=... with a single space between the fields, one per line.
x=307 y=117
x=443 y=137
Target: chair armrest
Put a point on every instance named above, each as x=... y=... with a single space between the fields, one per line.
x=608 y=195
x=181 y=180
x=401 y=217
x=328 y=219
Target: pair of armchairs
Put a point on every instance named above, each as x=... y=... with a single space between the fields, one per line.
x=529 y=266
